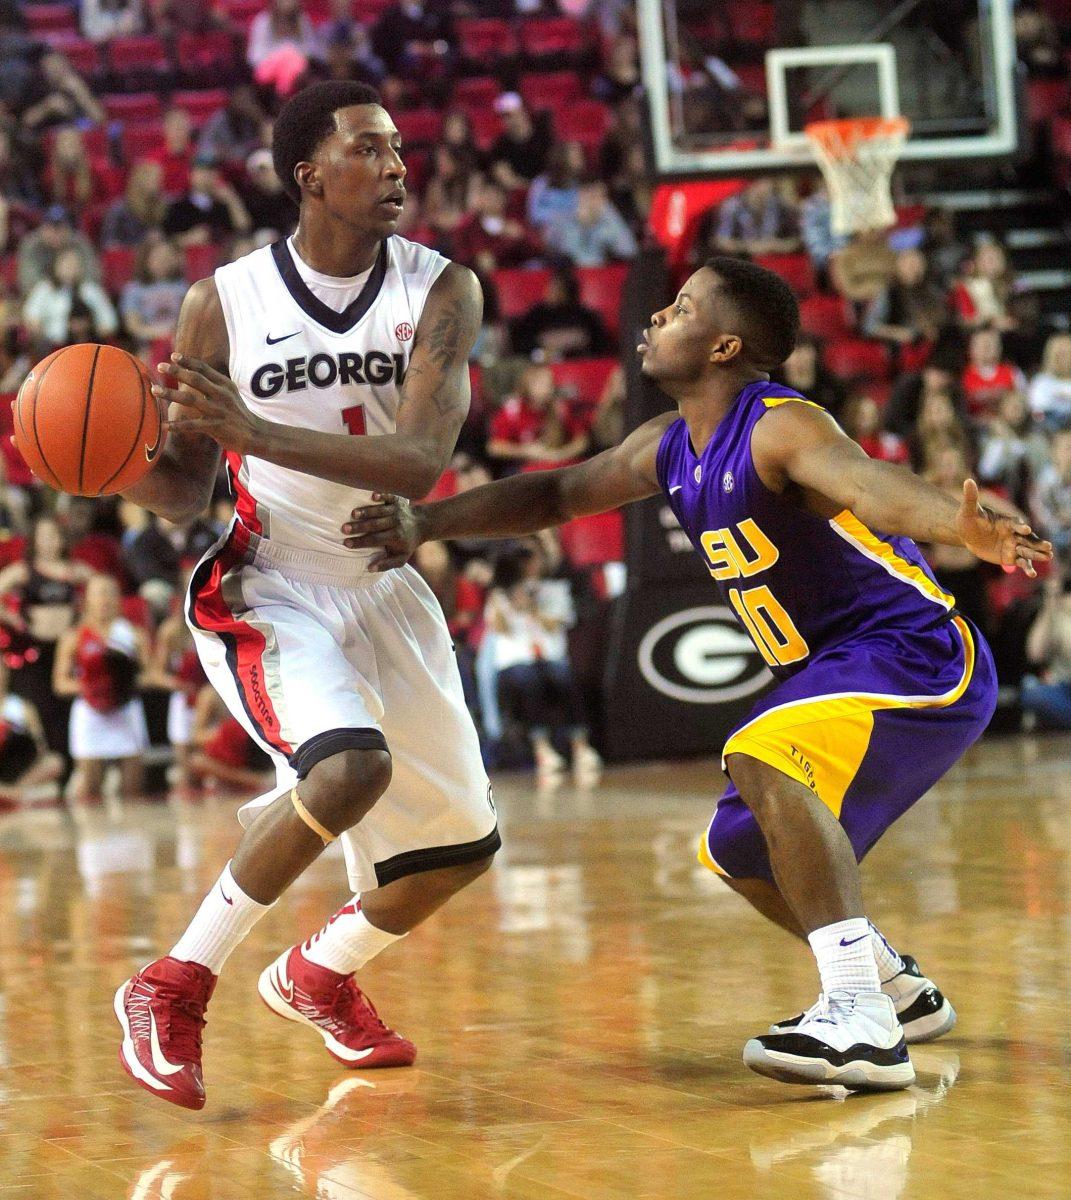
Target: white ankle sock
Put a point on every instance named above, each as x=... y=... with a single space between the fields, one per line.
x=226 y=915
x=845 y=957
x=889 y=963
x=347 y=941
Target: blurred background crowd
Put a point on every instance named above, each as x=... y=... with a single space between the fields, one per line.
x=135 y=157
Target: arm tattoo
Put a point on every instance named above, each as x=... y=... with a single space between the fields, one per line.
x=449 y=341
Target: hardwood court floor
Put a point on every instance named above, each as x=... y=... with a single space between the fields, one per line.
x=579 y=1013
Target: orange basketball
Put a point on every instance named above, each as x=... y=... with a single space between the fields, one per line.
x=86 y=422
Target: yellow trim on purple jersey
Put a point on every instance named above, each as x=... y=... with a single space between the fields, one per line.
x=821 y=741
x=856 y=534
x=706 y=858
x=776 y=401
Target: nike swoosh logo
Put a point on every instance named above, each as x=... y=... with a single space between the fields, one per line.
x=224 y=895
x=159 y=1061
x=152 y=451
x=674 y=490
x=854 y=940
x=275 y=341
x=286 y=992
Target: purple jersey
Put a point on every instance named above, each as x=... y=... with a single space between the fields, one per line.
x=797 y=583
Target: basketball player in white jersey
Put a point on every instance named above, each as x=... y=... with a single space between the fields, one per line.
x=324 y=367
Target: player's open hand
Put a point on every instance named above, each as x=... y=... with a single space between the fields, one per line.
x=221 y=412
x=999 y=538
x=392 y=524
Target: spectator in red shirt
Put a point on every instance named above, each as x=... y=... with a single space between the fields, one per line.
x=536 y=425
x=861 y=420
x=488 y=238
x=176 y=153
x=988 y=377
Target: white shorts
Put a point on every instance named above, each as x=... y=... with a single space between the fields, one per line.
x=121 y=733
x=312 y=661
x=179 y=719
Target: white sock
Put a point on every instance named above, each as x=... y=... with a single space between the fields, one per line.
x=889 y=963
x=845 y=958
x=347 y=941
x=226 y=915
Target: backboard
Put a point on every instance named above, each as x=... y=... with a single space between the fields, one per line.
x=732 y=84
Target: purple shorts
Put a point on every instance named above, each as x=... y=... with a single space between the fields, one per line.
x=869 y=726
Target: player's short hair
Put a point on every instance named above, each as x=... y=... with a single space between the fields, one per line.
x=765 y=304
x=306 y=119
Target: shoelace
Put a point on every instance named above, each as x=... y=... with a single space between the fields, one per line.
x=360 y=1010
x=829 y=1008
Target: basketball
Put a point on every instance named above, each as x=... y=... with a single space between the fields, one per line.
x=86 y=421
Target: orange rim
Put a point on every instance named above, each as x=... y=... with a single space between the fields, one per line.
x=839 y=138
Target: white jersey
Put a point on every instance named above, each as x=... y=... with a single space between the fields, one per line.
x=298 y=362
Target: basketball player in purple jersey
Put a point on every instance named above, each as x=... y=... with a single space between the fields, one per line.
x=881 y=683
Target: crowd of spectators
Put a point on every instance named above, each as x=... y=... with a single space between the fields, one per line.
x=121 y=184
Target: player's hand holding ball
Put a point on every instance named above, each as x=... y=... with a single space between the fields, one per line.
x=221 y=412
x=86 y=421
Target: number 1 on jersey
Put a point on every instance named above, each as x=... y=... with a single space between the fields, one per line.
x=353 y=418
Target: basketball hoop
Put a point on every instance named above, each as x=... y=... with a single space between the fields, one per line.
x=857 y=157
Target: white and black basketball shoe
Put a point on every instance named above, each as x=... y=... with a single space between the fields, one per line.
x=854 y=1040
x=923 y=1009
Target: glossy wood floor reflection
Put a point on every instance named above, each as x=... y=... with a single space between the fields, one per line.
x=579 y=1013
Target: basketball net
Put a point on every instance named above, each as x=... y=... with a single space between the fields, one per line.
x=857 y=157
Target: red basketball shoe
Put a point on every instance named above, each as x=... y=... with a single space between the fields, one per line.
x=336 y=1008
x=162 y=1012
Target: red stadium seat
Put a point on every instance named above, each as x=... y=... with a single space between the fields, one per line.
x=795 y=269
x=132 y=106
x=201 y=261
x=203 y=54
x=9 y=271
x=1046 y=99
x=600 y=289
x=519 y=288
x=592 y=541
x=585 y=376
x=551 y=89
x=136 y=611
x=109 y=180
x=824 y=316
x=83 y=55
x=200 y=105
x=141 y=139
x=552 y=37
x=137 y=55
x=752 y=22
x=585 y=122
x=1060 y=135
x=854 y=358
x=421 y=127
x=242 y=12
x=117 y=267
x=485 y=42
x=51 y=18
x=486 y=126
x=368 y=10
x=752 y=78
x=476 y=92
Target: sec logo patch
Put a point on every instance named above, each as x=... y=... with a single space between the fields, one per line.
x=403 y=332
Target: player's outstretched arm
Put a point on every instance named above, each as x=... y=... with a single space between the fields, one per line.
x=515 y=506
x=433 y=404
x=180 y=485
x=797 y=445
